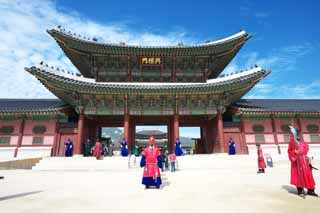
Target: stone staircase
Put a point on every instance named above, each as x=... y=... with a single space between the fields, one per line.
x=78 y=163
x=117 y=163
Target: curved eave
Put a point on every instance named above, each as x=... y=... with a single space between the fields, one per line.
x=52 y=111
x=79 y=50
x=237 y=84
x=214 y=47
x=244 y=111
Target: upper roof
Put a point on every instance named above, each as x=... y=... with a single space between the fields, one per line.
x=277 y=105
x=31 y=105
x=81 y=51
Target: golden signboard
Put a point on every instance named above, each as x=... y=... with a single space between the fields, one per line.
x=151 y=60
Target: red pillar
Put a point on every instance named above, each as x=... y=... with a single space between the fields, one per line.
x=56 y=137
x=176 y=127
x=127 y=130
x=20 y=137
x=274 y=132
x=78 y=145
x=220 y=138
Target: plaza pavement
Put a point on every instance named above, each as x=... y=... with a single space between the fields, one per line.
x=203 y=183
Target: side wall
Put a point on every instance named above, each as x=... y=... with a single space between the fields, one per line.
x=28 y=139
x=274 y=138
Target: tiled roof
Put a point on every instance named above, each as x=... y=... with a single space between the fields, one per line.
x=53 y=78
x=31 y=105
x=213 y=47
x=278 y=105
x=82 y=52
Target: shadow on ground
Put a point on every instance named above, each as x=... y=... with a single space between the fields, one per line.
x=18 y=195
x=290 y=189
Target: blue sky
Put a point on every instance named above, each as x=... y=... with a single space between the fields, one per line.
x=285 y=37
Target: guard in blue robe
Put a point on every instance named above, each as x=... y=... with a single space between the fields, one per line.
x=232 y=147
x=68 y=148
x=178 y=149
x=124 y=148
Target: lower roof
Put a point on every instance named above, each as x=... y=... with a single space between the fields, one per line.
x=277 y=105
x=31 y=105
x=243 y=105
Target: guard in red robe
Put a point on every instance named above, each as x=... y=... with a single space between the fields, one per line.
x=261 y=162
x=301 y=172
x=97 y=150
x=151 y=161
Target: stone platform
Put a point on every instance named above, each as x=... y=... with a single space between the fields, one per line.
x=203 y=183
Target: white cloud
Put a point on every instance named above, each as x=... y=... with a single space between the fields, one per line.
x=24 y=42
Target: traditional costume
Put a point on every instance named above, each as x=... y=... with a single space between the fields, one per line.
x=124 y=148
x=151 y=161
x=232 y=147
x=136 y=150
x=68 y=148
x=178 y=149
x=261 y=162
x=301 y=173
x=97 y=150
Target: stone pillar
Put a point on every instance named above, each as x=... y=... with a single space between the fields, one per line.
x=20 y=137
x=219 y=146
x=126 y=129
x=78 y=145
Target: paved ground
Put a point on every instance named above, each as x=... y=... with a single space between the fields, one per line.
x=203 y=184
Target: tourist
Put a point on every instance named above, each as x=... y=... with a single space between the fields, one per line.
x=163 y=160
x=151 y=161
x=124 y=148
x=232 y=147
x=301 y=172
x=178 y=149
x=86 y=148
x=172 y=160
x=97 y=150
x=261 y=162
x=136 y=150
x=68 y=148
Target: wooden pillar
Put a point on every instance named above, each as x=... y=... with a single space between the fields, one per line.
x=78 y=145
x=209 y=134
x=299 y=126
x=170 y=137
x=176 y=127
x=126 y=129
x=219 y=146
x=21 y=130
x=274 y=132
x=56 y=137
x=244 y=146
